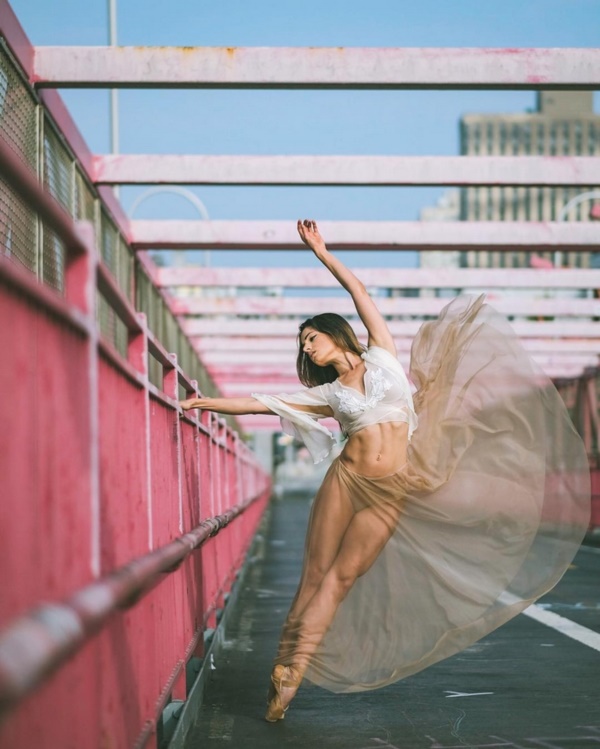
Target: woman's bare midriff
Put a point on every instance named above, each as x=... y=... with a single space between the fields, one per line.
x=377 y=450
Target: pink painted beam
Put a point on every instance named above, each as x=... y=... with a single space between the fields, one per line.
x=363 y=235
x=243 y=389
x=317 y=67
x=276 y=328
x=346 y=170
x=307 y=306
x=284 y=364
x=239 y=349
x=286 y=372
x=402 y=278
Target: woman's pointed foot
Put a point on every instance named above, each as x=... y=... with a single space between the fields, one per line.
x=285 y=681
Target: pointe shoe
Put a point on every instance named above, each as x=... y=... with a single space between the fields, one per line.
x=285 y=683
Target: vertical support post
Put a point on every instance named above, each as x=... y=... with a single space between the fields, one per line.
x=592 y=401
x=137 y=355
x=80 y=290
x=171 y=388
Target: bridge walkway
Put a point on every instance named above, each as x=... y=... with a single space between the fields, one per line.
x=525 y=686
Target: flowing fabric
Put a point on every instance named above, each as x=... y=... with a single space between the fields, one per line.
x=484 y=518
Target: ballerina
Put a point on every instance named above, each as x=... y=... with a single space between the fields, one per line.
x=445 y=514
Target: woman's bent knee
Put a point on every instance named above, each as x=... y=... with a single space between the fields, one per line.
x=342 y=580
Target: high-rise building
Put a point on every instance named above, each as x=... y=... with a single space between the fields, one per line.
x=564 y=124
x=447 y=208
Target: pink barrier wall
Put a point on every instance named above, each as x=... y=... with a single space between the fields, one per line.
x=98 y=467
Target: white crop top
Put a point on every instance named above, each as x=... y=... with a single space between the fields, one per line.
x=387 y=398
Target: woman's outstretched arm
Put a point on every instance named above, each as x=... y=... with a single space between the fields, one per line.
x=379 y=334
x=234 y=406
x=242 y=406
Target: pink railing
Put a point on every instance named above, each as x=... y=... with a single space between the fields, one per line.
x=111 y=499
x=581 y=398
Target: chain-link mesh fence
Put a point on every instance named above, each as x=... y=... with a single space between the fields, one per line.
x=30 y=132
x=18 y=111
x=112 y=329
x=18 y=228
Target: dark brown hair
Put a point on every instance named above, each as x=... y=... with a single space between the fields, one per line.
x=340 y=332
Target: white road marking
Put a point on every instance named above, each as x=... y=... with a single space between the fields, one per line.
x=591 y=549
x=450 y=694
x=564 y=626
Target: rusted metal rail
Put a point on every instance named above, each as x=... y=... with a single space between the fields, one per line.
x=39 y=642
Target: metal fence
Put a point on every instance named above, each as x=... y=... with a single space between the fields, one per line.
x=123 y=523
x=28 y=129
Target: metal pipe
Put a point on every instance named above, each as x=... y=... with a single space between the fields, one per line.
x=36 y=644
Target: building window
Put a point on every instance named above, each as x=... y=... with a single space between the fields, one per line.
x=552 y=140
x=593 y=139
x=477 y=138
x=490 y=137
x=540 y=205
x=527 y=199
x=516 y=138
x=541 y=139
x=578 y=129
x=566 y=140
x=526 y=138
x=490 y=204
x=503 y=137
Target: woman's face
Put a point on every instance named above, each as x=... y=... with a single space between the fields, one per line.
x=318 y=346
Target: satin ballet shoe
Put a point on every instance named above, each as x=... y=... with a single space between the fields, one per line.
x=284 y=685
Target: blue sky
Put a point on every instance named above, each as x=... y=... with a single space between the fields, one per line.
x=303 y=122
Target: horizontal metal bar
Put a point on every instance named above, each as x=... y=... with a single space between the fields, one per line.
x=110 y=353
x=37 y=643
x=273 y=387
x=387 y=278
x=363 y=235
x=21 y=280
x=288 y=305
x=269 y=328
x=317 y=67
x=114 y=295
x=153 y=169
x=238 y=349
x=286 y=375
x=221 y=365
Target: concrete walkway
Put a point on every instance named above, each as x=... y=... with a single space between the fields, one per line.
x=525 y=686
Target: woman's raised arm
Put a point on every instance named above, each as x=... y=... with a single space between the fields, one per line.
x=379 y=334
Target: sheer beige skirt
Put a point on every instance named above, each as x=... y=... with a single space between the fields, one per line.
x=484 y=518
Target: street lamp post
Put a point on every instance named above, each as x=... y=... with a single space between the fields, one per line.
x=184 y=193
x=114 y=100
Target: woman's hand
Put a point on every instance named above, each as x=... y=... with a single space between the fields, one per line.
x=233 y=406
x=190 y=403
x=309 y=234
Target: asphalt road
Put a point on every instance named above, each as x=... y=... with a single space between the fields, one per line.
x=525 y=686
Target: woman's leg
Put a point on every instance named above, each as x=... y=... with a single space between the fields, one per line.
x=367 y=534
x=329 y=519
